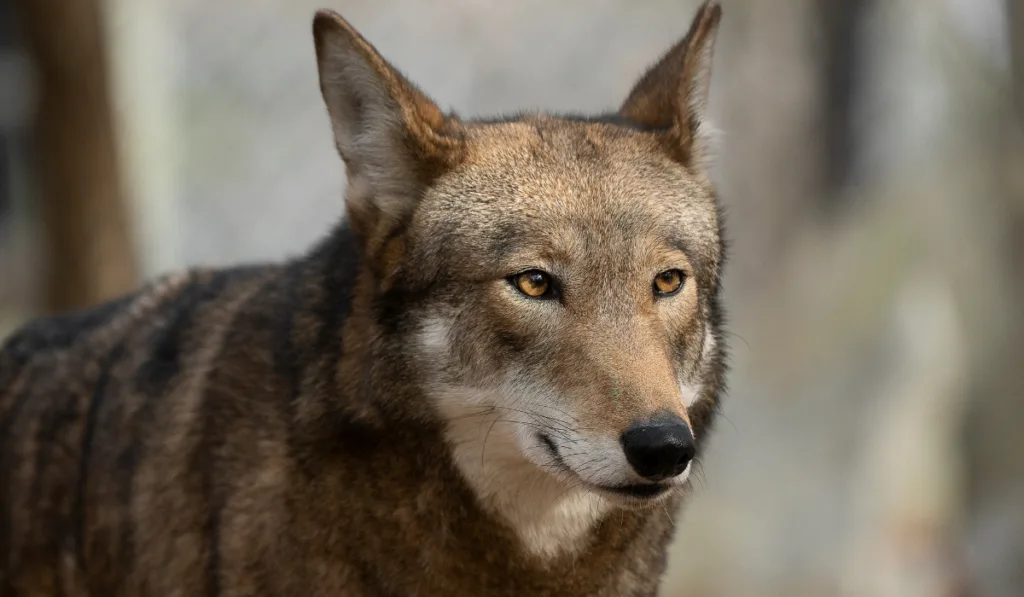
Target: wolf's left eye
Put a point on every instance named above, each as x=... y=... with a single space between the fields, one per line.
x=668 y=282
x=534 y=284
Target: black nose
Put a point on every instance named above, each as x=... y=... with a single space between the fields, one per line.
x=659 y=448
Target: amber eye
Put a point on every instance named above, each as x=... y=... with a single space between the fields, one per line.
x=668 y=282
x=533 y=283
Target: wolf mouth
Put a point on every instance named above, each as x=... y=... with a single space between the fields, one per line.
x=638 y=490
x=553 y=450
x=634 y=490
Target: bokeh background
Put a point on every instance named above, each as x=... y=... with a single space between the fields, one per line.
x=872 y=165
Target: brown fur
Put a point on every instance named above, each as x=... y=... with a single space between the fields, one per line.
x=308 y=428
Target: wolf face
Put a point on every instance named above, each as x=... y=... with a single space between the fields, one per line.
x=558 y=276
x=573 y=262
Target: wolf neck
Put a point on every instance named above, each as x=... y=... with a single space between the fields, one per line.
x=549 y=518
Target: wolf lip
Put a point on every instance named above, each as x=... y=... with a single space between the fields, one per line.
x=557 y=459
x=553 y=450
x=641 y=491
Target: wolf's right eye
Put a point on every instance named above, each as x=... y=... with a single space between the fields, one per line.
x=534 y=284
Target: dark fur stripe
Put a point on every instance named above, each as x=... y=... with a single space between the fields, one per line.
x=8 y=441
x=50 y=439
x=288 y=292
x=212 y=537
x=165 y=361
x=338 y=262
x=60 y=331
x=96 y=400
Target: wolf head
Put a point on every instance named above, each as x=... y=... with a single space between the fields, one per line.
x=559 y=275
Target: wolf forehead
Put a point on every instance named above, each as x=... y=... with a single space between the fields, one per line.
x=535 y=175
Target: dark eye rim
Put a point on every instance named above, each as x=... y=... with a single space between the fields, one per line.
x=682 y=282
x=552 y=292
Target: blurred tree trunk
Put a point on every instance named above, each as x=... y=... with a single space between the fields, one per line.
x=796 y=65
x=994 y=438
x=840 y=66
x=89 y=249
x=774 y=147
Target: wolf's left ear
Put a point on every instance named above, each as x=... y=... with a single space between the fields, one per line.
x=393 y=138
x=673 y=94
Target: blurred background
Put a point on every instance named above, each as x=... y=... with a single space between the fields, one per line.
x=872 y=165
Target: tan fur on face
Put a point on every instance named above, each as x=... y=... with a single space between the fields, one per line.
x=604 y=211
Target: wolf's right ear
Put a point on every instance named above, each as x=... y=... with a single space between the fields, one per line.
x=393 y=138
x=672 y=96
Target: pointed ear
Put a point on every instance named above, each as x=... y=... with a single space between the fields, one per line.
x=393 y=138
x=673 y=94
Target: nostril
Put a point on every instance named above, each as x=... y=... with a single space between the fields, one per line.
x=685 y=456
x=659 y=451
